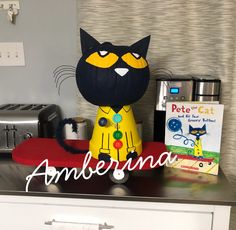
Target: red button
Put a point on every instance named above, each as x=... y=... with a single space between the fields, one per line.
x=117 y=144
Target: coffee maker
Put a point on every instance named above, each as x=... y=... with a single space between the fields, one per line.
x=181 y=88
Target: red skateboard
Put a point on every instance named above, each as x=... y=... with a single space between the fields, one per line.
x=35 y=150
x=187 y=157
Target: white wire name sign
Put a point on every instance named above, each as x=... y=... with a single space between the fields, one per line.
x=51 y=175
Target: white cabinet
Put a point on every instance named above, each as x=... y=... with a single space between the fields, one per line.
x=41 y=213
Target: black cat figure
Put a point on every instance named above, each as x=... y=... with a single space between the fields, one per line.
x=112 y=77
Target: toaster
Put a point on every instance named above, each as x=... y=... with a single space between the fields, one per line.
x=19 y=122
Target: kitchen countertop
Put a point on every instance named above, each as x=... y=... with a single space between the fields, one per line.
x=159 y=185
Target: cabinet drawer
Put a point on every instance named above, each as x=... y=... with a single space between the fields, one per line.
x=34 y=216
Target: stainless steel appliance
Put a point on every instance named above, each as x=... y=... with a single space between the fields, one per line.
x=22 y=121
x=181 y=88
x=174 y=89
x=207 y=88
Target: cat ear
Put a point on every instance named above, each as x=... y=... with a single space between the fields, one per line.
x=141 y=47
x=204 y=127
x=87 y=41
x=190 y=128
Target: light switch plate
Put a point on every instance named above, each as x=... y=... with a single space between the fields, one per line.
x=12 y=54
x=5 y=5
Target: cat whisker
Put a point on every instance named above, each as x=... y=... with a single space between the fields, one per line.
x=62 y=77
x=63 y=70
x=59 y=88
x=63 y=67
x=167 y=73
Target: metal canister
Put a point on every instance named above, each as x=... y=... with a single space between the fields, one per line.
x=139 y=125
x=82 y=130
x=207 y=88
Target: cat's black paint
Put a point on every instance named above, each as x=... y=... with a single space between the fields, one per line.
x=197 y=132
x=103 y=86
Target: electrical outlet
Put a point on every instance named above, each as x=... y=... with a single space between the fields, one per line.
x=12 y=54
x=5 y=5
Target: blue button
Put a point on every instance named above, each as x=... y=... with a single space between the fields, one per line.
x=102 y=121
x=117 y=118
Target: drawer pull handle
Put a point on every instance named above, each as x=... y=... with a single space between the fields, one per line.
x=100 y=226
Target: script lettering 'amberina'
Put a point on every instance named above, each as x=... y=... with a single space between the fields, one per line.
x=86 y=172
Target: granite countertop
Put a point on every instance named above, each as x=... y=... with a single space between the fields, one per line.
x=159 y=185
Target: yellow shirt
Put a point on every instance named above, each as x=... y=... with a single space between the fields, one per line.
x=119 y=137
x=198 y=148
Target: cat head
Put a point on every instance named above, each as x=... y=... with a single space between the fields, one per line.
x=197 y=131
x=109 y=75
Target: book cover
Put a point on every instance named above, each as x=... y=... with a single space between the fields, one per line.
x=193 y=134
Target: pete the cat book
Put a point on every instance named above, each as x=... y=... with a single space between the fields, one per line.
x=193 y=134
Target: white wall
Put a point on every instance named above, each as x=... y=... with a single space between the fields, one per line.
x=49 y=32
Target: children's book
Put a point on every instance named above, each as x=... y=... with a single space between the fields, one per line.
x=193 y=134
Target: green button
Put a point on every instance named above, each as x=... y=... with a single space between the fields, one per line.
x=117 y=135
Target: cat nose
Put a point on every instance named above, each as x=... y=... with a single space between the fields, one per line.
x=121 y=71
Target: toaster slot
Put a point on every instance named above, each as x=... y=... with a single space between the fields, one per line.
x=38 y=107
x=4 y=107
x=14 y=107
x=28 y=107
